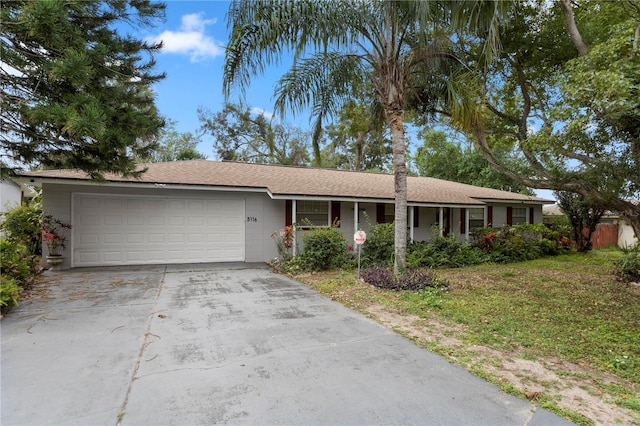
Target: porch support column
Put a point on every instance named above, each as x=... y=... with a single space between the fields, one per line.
x=356 y=224
x=441 y=224
x=293 y=224
x=466 y=218
x=411 y=222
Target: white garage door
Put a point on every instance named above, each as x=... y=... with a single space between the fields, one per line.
x=126 y=230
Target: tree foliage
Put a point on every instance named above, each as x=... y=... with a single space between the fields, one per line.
x=75 y=89
x=442 y=158
x=175 y=146
x=242 y=135
x=566 y=92
x=355 y=141
x=584 y=216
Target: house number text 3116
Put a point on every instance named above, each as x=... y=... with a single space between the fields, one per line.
x=252 y=219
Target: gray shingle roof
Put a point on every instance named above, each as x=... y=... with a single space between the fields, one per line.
x=282 y=181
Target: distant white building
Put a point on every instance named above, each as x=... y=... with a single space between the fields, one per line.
x=10 y=195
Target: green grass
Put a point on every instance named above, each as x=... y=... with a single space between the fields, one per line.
x=568 y=307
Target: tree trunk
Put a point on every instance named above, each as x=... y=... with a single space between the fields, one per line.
x=400 y=174
x=572 y=28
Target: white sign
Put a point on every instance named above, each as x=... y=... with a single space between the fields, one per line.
x=360 y=237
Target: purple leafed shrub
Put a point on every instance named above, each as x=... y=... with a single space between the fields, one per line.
x=412 y=279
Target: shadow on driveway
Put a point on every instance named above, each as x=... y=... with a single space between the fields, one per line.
x=224 y=343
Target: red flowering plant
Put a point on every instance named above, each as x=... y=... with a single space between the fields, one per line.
x=53 y=234
x=284 y=241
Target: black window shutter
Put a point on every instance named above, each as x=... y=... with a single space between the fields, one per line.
x=288 y=217
x=335 y=212
x=531 y=213
x=379 y=213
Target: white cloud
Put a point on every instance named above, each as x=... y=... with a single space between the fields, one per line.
x=266 y=114
x=190 y=39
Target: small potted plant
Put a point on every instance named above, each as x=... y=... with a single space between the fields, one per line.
x=53 y=235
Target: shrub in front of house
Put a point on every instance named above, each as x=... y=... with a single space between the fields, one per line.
x=413 y=279
x=443 y=252
x=324 y=248
x=19 y=269
x=378 y=249
x=20 y=248
x=22 y=225
x=520 y=242
x=9 y=293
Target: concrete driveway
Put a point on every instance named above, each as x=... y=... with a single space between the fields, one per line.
x=204 y=344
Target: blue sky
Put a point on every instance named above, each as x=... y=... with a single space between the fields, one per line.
x=194 y=36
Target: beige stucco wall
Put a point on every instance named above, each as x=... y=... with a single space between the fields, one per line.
x=626 y=236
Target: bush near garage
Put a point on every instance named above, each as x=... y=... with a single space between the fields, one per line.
x=324 y=248
x=19 y=269
x=20 y=249
x=22 y=225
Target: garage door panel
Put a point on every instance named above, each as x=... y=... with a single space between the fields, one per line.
x=135 y=256
x=135 y=238
x=197 y=206
x=156 y=256
x=155 y=204
x=156 y=238
x=134 y=204
x=110 y=256
x=195 y=238
x=89 y=238
x=156 y=220
x=176 y=238
x=135 y=220
x=176 y=220
x=195 y=221
x=87 y=257
x=111 y=238
x=112 y=219
x=111 y=230
x=113 y=203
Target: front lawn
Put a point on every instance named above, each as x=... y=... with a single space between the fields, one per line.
x=559 y=331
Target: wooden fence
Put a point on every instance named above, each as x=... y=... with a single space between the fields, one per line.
x=606 y=235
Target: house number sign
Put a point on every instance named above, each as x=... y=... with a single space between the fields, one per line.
x=252 y=219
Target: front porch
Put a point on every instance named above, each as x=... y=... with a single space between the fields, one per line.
x=423 y=220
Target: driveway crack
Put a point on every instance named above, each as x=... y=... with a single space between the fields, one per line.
x=146 y=342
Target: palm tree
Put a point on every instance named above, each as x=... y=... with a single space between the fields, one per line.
x=394 y=46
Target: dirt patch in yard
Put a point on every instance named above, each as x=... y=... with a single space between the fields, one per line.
x=569 y=385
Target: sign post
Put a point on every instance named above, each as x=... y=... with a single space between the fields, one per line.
x=359 y=238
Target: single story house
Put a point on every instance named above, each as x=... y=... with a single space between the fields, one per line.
x=208 y=211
